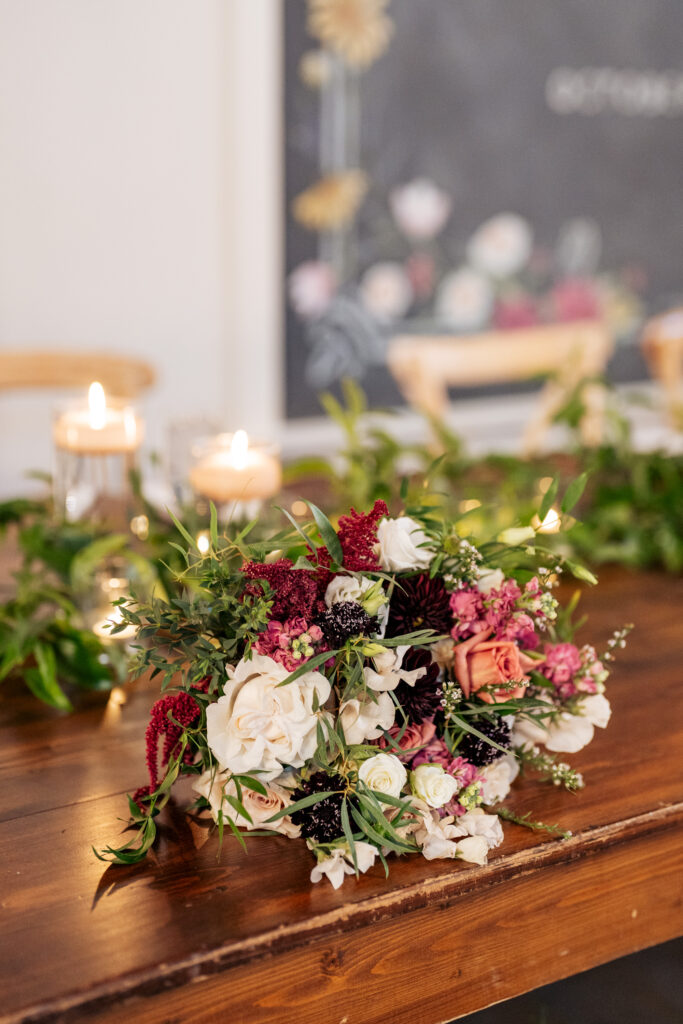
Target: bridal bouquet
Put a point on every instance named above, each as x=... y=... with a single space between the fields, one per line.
x=370 y=688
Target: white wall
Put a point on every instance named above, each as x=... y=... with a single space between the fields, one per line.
x=129 y=130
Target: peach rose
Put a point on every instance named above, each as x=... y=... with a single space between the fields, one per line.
x=480 y=662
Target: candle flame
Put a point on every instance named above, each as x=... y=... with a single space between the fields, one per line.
x=239 y=446
x=97 y=404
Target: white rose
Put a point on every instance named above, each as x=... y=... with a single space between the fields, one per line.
x=501 y=246
x=473 y=849
x=386 y=291
x=399 y=545
x=596 y=709
x=340 y=863
x=259 y=725
x=490 y=579
x=464 y=300
x=366 y=720
x=420 y=208
x=432 y=784
x=216 y=786
x=498 y=777
x=478 y=823
x=384 y=773
x=387 y=673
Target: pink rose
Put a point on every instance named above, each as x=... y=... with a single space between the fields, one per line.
x=481 y=663
x=413 y=739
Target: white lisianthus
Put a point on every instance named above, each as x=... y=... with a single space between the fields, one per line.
x=465 y=299
x=387 y=673
x=340 y=863
x=473 y=849
x=366 y=720
x=477 y=823
x=497 y=779
x=216 y=786
x=386 y=291
x=346 y=588
x=384 y=773
x=258 y=725
x=431 y=783
x=401 y=545
x=596 y=708
x=489 y=579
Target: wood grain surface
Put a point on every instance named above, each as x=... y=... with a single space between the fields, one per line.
x=188 y=937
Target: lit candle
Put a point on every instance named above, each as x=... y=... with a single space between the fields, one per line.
x=102 y=628
x=101 y=428
x=234 y=470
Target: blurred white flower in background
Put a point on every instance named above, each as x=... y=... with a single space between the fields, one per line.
x=420 y=209
x=464 y=299
x=311 y=287
x=385 y=291
x=501 y=246
x=579 y=246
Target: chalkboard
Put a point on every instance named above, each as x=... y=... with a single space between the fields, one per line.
x=499 y=162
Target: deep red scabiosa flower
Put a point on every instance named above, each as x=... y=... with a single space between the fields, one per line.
x=419 y=603
x=185 y=710
x=322 y=821
x=358 y=536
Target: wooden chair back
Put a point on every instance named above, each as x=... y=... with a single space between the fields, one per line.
x=425 y=366
x=119 y=375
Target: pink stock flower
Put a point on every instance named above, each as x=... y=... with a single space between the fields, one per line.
x=467 y=606
x=501 y=605
x=290 y=643
x=562 y=662
x=522 y=629
x=413 y=738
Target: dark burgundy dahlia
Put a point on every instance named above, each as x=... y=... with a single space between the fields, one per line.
x=477 y=751
x=322 y=821
x=423 y=699
x=419 y=603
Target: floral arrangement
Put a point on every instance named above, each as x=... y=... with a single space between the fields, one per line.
x=372 y=688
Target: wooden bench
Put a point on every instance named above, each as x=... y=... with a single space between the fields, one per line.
x=189 y=938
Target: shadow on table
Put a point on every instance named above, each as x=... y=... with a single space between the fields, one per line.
x=646 y=988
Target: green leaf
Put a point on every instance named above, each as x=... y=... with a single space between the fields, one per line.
x=307 y=801
x=187 y=536
x=574 y=492
x=548 y=499
x=328 y=533
x=85 y=563
x=306 y=666
x=42 y=680
x=213 y=527
x=475 y=732
x=348 y=834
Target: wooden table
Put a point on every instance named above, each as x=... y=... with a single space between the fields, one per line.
x=185 y=937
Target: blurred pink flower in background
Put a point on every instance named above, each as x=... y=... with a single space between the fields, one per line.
x=575 y=298
x=515 y=311
x=311 y=288
x=420 y=209
x=421 y=270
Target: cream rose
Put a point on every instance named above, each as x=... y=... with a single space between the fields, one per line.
x=384 y=773
x=258 y=725
x=432 y=784
x=216 y=786
x=387 y=673
x=366 y=720
x=399 y=545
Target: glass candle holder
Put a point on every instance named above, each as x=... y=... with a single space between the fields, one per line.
x=96 y=448
x=236 y=474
